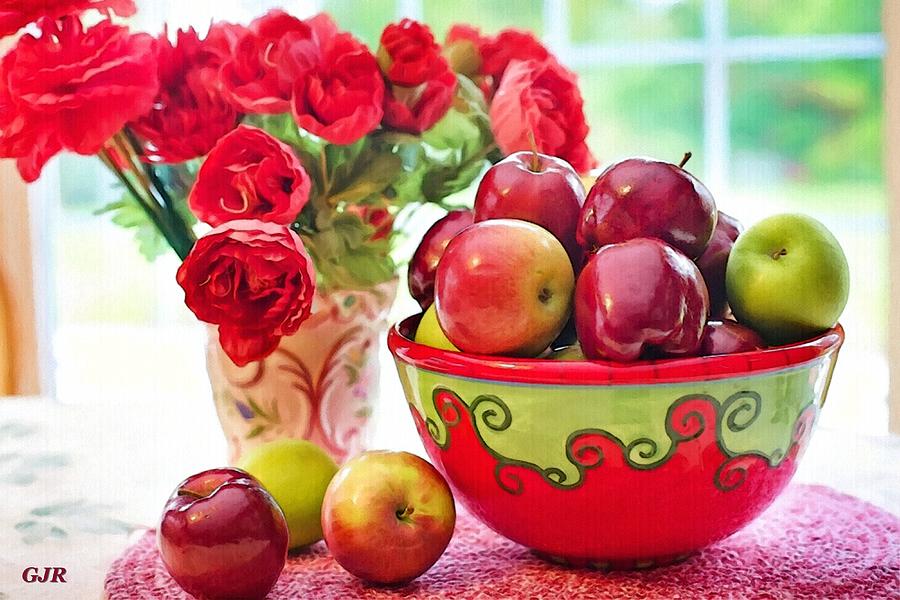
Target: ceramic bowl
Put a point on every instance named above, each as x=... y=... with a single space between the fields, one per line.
x=616 y=466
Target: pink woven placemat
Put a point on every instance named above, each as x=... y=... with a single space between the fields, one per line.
x=813 y=543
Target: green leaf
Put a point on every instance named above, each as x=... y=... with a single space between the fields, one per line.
x=378 y=171
x=128 y=214
x=341 y=160
x=439 y=184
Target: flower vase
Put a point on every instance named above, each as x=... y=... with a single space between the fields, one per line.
x=320 y=384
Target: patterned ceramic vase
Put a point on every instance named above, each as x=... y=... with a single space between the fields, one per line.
x=610 y=465
x=321 y=384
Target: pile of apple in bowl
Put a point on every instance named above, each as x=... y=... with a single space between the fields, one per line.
x=621 y=377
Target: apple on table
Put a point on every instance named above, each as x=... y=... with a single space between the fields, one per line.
x=388 y=516
x=223 y=536
x=296 y=473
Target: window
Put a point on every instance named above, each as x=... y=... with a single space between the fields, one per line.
x=781 y=104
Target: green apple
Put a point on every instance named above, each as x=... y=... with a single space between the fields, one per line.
x=296 y=473
x=430 y=333
x=787 y=278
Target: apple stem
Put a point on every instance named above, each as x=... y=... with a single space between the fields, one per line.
x=780 y=253
x=535 y=159
x=191 y=493
x=404 y=513
x=685 y=159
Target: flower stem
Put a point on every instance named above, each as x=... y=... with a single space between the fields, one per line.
x=142 y=201
x=183 y=238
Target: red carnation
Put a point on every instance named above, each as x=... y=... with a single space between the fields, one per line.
x=341 y=99
x=541 y=98
x=422 y=83
x=15 y=14
x=250 y=175
x=72 y=89
x=190 y=113
x=272 y=55
x=252 y=279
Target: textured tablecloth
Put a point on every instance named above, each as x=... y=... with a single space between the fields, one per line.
x=813 y=543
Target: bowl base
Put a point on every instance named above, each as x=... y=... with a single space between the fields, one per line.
x=605 y=565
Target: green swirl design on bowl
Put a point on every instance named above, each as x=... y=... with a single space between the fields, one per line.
x=534 y=425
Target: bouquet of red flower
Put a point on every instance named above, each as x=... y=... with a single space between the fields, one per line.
x=295 y=143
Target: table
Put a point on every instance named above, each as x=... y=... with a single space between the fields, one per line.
x=78 y=480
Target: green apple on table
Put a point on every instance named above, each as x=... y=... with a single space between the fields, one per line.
x=296 y=473
x=787 y=278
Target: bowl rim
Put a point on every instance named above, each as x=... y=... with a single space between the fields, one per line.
x=566 y=372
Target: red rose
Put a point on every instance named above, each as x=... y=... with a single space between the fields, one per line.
x=509 y=45
x=15 y=14
x=341 y=99
x=190 y=113
x=275 y=52
x=422 y=82
x=252 y=279
x=72 y=89
x=250 y=175
x=541 y=98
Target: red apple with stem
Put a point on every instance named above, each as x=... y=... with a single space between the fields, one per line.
x=714 y=260
x=544 y=190
x=728 y=337
x=504 y=287
x=223 y=536
x=424 y=262
x=640 y=296
x=641 y=197
x=388 y=516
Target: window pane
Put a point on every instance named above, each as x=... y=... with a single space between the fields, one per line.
x=489 y=15
x=803 y=17
x=649 y=111
x=634 y=20
x=816 y=121
x=807 y=137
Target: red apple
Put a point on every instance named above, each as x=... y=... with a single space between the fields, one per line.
x=640 y=197
x=714 y=259
x=504 y=287
x=530 y=186
x=223 y=536
x=640 y=296
x=388 y=516
x=728 y=337
x=427 y=256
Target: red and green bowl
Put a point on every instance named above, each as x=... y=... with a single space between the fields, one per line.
x=610 y=465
